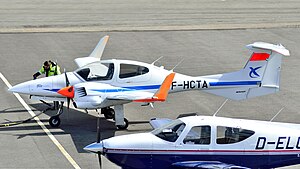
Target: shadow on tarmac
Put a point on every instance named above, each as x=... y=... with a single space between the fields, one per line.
x=82 y=127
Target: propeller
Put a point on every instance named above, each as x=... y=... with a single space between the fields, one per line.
x=67 y=91
x=98 y=140
x=67 y=85
x=97 y=147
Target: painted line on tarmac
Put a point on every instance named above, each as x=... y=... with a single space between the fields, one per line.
x=50 y=135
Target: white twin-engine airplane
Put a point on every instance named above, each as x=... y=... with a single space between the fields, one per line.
x=205 y=142
x=102 y=84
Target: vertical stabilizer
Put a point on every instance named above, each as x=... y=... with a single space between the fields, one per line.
x=260 y=76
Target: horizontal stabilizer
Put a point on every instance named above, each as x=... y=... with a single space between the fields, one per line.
x=257 y=46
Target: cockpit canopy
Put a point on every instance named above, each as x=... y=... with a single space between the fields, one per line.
x=98 y=71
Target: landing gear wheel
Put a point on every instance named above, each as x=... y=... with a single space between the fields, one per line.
x=123 y=127
x=54 y=121
x=109 y=113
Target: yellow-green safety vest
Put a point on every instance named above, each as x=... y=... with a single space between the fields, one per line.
x=54 y=70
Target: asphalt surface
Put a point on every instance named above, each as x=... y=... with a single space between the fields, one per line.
x=130 y=15
x=213 y=41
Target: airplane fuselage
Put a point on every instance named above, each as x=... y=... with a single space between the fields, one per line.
x=252 y=144
x=118 y=77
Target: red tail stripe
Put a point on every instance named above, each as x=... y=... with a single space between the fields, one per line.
x=259 y=56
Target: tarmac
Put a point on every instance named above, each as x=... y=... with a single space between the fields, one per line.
x=209 y=35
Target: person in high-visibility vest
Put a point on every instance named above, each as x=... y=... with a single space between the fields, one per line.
x=49 y=69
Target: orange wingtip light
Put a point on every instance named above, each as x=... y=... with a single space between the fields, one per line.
x=67 y=92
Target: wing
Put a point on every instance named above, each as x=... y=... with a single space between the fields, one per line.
x=205 y=165
x=95 y=55
x=158 y=122
x=162 y=93
x=146 y=97
x=86 y=94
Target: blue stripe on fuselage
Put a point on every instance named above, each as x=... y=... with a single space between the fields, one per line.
x=152 y=87
x=129 y=88
x=165 y=161
x=52 y=90
x=237 y=83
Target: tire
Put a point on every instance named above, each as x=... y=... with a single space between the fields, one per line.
x=109 y=113
x=54 y=121
x=125 y=126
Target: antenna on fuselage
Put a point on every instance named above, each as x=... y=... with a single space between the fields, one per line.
x=156 y=60
x=177 y=64
x=220 y=108
x=277 y=114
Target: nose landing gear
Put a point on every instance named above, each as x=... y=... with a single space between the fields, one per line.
x=54 y=121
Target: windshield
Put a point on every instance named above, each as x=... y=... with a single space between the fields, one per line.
x=96 y=71
x=171 y=131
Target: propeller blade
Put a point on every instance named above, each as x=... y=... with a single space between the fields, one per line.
x=67 y=80
x=100 y=161
x=98 y=139
x=98 y=129
x=68 y=102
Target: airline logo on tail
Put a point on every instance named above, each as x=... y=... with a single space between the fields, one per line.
x=253 y=73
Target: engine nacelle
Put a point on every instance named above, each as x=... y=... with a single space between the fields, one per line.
x=88 y=102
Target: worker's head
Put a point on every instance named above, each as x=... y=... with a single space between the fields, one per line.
x=46 y=65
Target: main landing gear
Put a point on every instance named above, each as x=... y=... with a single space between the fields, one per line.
x=109 y=113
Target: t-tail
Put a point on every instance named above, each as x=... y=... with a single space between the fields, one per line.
x=260 y=76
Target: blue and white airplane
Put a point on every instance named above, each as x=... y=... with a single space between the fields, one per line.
x=205 y=142
x=101 y=84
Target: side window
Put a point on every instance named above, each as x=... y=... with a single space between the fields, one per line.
x=229 y=135
x=127 y=70
x=198 y=135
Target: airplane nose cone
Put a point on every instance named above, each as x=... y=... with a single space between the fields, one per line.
x=95 y=147
x=20 y=88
